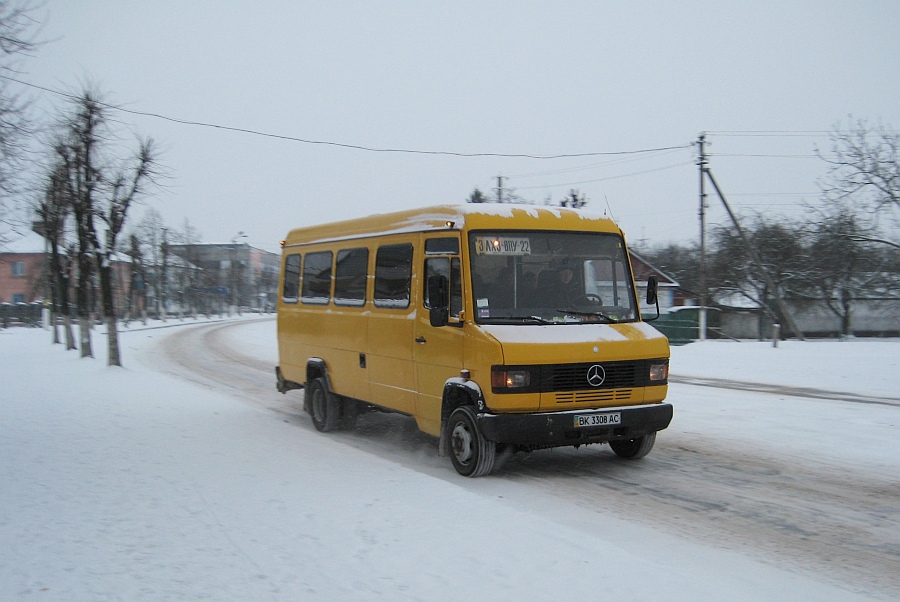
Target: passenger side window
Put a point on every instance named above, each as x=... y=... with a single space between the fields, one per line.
x=393 y=272
x=290 y=289
x=350 y=276
x=317 y=278
x=449 y=268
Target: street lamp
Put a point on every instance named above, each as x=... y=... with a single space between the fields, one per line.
x=235 y=272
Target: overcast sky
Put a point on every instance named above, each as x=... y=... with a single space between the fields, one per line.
x=517 y=77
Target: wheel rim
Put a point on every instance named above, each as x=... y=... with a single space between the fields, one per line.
x=461 y=441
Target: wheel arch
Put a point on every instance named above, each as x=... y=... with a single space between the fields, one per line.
x=457 y=392
x=317 y=368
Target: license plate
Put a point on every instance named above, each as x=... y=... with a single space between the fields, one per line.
x=605 y=419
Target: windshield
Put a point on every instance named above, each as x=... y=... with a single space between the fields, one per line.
x=539 y=277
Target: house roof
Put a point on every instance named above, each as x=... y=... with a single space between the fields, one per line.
x=649 y=268
x=22 y=241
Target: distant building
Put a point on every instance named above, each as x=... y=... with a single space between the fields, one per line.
x=22 y=265
x=25 y=267
x=234 y=273
x=669 y=291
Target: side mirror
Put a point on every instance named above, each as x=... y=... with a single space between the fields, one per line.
x=652 y=284
x=652 y=296
x=438 y=301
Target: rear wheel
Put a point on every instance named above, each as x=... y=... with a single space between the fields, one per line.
x=324 y=406
x=472 y=455
x=634 y=449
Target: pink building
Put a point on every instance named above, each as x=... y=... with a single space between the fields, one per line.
x=21 y=269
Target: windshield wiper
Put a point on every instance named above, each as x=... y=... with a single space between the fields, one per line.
x=535 y=319
x=591 y=314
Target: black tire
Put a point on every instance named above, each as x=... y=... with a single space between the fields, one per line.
x=472 y=455
x=634 y=449
x=324 y=406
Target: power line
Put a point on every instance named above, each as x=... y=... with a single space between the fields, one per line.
x=770 y=133
x=626 y=175
x=341 y=144
x=774 y=193
x=596 y=165
x=763 y=155
x=783 y=133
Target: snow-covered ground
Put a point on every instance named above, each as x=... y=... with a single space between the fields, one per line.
x=136 y=484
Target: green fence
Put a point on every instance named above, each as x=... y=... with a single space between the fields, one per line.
x=683 y=326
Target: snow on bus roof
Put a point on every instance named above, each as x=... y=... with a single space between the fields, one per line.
x=428 y=219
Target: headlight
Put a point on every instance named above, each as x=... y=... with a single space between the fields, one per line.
x=510 y=379
x=659 y=372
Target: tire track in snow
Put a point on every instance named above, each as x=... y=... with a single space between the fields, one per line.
x=720 y=383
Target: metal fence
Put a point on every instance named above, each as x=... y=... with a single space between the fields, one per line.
x=20 y=314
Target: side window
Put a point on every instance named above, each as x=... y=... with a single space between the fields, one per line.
x=18 y=268
x=350 y=276
x=449 y=268
x=393 y=272
x=290 y=289
x=317 y=278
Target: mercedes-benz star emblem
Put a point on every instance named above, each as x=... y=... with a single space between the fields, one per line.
x=596 y=375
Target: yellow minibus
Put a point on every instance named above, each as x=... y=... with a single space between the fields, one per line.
x=499 y=328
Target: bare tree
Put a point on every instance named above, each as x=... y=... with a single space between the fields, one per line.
x=149 y=232
x=18 y=35
x=136 y=300
x=864 y=173
x=847 y=269
x=681 y=261
x=76 y=152
x=733 y=273
x=53 y=211
x=574 y=199
x=104 y=190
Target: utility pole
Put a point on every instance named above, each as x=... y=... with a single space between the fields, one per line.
x=499 y=189
x=162 y=309
x=754 y=255
x=702 y=162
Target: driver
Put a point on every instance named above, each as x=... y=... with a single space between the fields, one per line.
x=565 y=290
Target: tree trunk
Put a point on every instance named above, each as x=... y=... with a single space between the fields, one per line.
x=70 y=334
x=54 y=328
x=84 y=331
x=84 y=303
x=112 y=335
x=109 y=310
x=846 y=307
x=64 y=305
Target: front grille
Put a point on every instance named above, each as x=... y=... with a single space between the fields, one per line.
x=574 y=377
x=620 y=395
x=562 y=378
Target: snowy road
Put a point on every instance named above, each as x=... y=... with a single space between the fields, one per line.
x=816 y=512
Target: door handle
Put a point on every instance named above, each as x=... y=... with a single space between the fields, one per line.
x=420 y=340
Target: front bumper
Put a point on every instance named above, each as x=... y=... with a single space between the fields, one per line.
x=555 y=429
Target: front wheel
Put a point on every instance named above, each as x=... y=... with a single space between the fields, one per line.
x=634 y=449
x=472 y=455
x=324 y=406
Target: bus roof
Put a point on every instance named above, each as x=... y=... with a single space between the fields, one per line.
x=473 y=216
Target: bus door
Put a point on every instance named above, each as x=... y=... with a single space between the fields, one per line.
x=389 y=354
x=438 y=351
